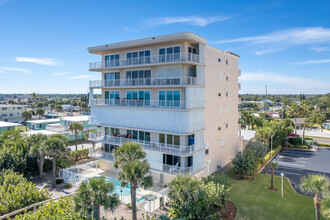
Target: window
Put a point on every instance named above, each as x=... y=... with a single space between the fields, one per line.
x=169 y=54
x=171 y=160
x=226 y=125
x=206 y=151
x=19 y=107
x=13 y=108
x=11 y=114
x=227 y=78
x=192 y=52
x=138 y=77
x=4 y=114
x=111 y=97
x=111 y=60
x=219 y=94
x=226 y=62
x=219 y=60
x=138 y=57
x=226 y=94
x=219 y=128
x=4 y=108
x=138 y=135
x=112 y=79
x=219 y=76
x=169 y=140
x=169 y=98
x=138 y=97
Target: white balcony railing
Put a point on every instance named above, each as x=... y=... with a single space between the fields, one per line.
x=175 y=169
x=163 y=104
x=176 y=81
x=147 y=145
x=156 y=166
x=101 y=155
x=156 y=59
x=56 y=128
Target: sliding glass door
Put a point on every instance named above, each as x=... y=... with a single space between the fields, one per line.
x=169 y=98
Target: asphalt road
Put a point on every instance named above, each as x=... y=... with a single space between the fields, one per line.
x=322 y=140
x=298 y=163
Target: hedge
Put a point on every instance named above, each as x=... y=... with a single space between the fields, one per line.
x=70 y=158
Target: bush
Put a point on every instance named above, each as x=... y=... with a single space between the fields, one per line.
x=259 y=148
x=70 y=158
x=245 y=163
x=59 y=181
x=16 y=192
x=296 y=142
x=68 y=185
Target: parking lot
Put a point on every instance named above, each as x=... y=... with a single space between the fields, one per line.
x=298 y=163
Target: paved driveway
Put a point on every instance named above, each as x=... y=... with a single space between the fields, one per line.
x=298 y=163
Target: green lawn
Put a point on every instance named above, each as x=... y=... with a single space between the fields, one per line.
x=254 y=201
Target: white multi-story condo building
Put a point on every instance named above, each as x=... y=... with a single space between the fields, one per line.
x=11 y=113
x=173 y=94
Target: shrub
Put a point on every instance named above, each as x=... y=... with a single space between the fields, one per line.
x=68 y=185
x=70 y=158
x=129 y=206
x=16 y=192
x=245 y=163
x=259 y=148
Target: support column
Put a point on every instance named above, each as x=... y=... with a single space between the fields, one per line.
x=91 y=96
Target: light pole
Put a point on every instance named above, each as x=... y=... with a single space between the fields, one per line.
x=282 y=174
x=271 y=146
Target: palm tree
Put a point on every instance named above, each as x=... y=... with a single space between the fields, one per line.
x=37 y=149
x=58 y=108
x=93 y=194
x=40 y=105
x=305 y=110
x=264 y=134
x=75 y=127
x=318 y=186
x=135 y=169
x=293 y=111
x=52 y=106
x=40 y=112
x=26 y=115
x=273 y=165
x=55 y=147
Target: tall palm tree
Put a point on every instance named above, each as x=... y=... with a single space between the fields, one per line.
x=76 y=127
x=40 y=112
x=293 y=112
x=135 y=169
x=26 y=115
x=93 y=194
x=55 y=147
x=273 y=165
x=37 y=149
x=305 y=110
x=317 y=185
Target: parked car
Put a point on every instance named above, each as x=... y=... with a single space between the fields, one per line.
x=69 y=114
x=294 y=135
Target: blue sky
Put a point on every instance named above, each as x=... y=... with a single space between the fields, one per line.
x=284 y=44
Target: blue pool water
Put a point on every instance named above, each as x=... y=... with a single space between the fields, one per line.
x=126 y=191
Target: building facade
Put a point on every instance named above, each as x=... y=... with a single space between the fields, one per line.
x=11 y=113
x=173 y=94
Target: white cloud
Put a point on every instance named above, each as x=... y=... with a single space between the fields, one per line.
x=293 y=82
x=296 y=36
x=319 y=49
x=42 y=61
x=190 y=20
x=313 y=62
x=61 y=74
x=1 y=71
x=263 y=52
x=82 y=77
x=15 y=69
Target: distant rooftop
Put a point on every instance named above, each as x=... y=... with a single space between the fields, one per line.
x=5 y=105
x=148 y=41
x=8 y=124
x=44 y=121
x=76 y=118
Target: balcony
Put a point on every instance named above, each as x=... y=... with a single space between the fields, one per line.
x=148 y=82
x=175 y=169
x=160 y=104
x=102 y=155
x=147 y=145
x=148 y=61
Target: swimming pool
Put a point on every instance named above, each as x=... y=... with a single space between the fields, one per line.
x=126 y=191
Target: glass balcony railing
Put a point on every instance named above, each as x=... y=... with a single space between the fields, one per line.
x=147 y=145
x=158 y=82
x=162 y=104
x=156 y=59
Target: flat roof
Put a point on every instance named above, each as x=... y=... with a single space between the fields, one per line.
x=44 y=121
x=5 y=105
x=75 y=118
x=45 y=132
x=248 y=134
x=147 y=41
x=8 y=124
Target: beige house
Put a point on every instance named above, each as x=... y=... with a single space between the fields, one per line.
x=173 y=94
